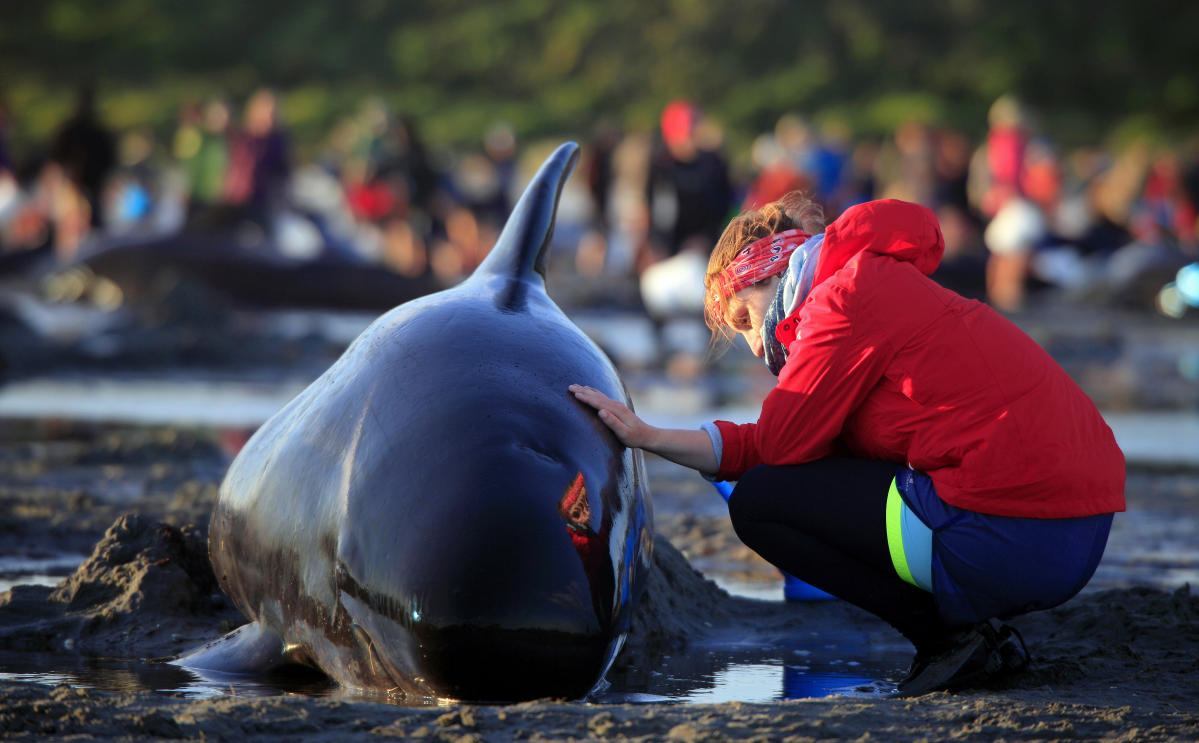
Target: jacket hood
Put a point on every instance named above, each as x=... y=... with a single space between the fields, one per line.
x=905 y=231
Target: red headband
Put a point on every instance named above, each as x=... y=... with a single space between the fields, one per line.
x=756 y=262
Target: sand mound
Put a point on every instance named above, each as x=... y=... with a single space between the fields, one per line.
x=146 y=590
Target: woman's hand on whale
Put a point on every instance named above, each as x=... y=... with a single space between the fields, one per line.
x=690 y=448
x=631 y=430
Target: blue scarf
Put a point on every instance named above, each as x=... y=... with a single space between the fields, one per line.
x=793 y=290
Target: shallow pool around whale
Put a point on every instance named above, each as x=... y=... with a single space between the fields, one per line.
x=830 y=664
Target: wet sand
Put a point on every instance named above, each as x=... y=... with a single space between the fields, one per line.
x=1120 y=662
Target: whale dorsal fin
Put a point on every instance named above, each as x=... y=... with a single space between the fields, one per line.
x=519 y=252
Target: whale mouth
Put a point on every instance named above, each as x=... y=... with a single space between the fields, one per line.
x=492 y=664
x=477 y=660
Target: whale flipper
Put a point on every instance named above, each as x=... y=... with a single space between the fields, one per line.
x=249 y=649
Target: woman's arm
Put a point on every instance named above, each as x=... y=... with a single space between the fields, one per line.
x=690 y=448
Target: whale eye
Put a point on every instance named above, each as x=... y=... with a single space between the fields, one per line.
x=538 y=453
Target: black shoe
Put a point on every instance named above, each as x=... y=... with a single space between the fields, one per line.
x=1012 y=649
x=970 y=657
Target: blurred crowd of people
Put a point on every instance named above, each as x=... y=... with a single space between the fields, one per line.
x=1016 y=210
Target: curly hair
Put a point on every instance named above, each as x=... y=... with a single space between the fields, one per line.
x=793 y=210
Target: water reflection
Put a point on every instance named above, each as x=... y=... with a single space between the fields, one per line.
x=768 y=682
x=838 y=664
x=128 y=676
x=760 y=680
x=593 y=547
x=104 y=675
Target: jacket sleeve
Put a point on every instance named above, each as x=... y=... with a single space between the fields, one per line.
x=839 y=357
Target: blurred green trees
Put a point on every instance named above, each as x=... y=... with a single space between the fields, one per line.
x=558 y=66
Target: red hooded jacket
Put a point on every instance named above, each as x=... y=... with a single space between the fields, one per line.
x=884 y=363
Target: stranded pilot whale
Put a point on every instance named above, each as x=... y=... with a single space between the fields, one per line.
x=436 y=515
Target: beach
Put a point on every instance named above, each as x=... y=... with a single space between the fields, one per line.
x=1116 y=663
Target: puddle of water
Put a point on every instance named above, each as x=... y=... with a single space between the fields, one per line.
x=767 y=673
x=757 y=683
x=703 y=676
x=126 y=676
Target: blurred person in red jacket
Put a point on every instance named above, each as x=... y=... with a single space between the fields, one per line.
x=920 y=457
x=688 y=190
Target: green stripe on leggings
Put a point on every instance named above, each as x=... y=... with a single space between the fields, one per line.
x=895 y=535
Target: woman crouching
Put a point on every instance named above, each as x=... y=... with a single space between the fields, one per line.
x=920 y=457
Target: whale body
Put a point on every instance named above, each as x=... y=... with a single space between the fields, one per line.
x=435 y=515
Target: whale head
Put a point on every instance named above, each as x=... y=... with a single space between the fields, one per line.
x=436 y=514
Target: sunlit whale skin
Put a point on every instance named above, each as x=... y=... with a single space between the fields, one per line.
x=436 y=515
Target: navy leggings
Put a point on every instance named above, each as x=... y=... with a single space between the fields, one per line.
x=825 y=523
